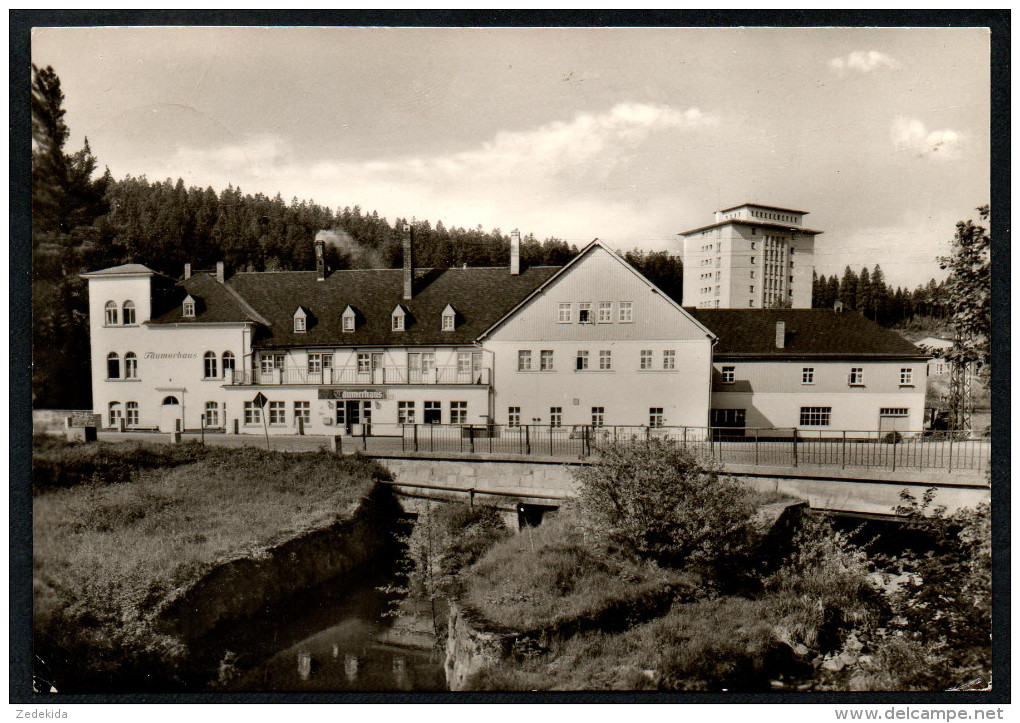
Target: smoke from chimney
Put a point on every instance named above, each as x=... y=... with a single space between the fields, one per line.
x=320 y=256
x=360 y=257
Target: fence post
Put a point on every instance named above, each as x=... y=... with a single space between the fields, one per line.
x=894 y=436
x=471 y=436
x=432 y=438
x=842 y=456
x=585 y=448
x=415 y=427
x=527 y=438
x=648 y=436
x=471 y=497
x=550 y=440
x=795 y=446
x=364 y=437
x=756 y=446
x=950 y=451
x=201 y=423
x=685 y=437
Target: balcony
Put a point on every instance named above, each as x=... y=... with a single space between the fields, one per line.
x=379 y=376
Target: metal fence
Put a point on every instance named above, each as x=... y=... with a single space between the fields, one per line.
x=766 y=447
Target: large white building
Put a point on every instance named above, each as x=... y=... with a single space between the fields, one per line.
x=751 y=257
x=589 y=343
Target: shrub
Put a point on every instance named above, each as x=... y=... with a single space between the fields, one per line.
x=660 y=501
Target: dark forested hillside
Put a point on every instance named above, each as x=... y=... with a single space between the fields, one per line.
x=868 y=293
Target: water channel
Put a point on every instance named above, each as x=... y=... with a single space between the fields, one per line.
x=336 y=637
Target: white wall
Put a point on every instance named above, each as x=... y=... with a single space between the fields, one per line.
x=626 y=392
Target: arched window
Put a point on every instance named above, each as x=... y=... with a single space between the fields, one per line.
x=212 y=414
x=112 y=365
x=228 y=361
x=111 y=313
x=170 y=401
x=132 y=414
x=210 y=365
x=129 y=312
x=115 y=414
x=130 y=365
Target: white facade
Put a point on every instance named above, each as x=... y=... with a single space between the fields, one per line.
x=820 y=396
x=752 y=257
x=638 y=359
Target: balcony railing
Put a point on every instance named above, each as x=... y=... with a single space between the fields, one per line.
x=351 y=375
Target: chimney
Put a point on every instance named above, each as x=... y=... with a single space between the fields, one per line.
x=408 y=262
x=187 y=271
x=320 y=256
x=780 y=335
x=515 y=253
x=838 y=306
x=220 y=274
x=718 y=216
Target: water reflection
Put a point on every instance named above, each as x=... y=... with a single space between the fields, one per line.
x=325 y=639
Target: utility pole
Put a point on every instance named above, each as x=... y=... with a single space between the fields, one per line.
x=961 y=401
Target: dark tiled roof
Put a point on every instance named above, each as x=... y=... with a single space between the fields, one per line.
x=481 y=297
x=818 y=333
x=214 y=302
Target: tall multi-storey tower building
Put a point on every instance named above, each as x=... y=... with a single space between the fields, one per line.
x=752 y=257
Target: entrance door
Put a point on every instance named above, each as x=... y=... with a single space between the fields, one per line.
x=350 y=415
x=414 y=368
x=377 y=368
x=170 y=415
x=728 y=423
x=115 y=415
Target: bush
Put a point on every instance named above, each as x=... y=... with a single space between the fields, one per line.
x=660 y=501
x=892 y=438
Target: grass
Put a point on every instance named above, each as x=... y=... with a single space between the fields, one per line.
x=547 y=575
x=107 y=553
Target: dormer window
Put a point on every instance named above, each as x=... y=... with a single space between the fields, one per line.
x=449 y=318
x=300 y=321
x=347 y=320
x=397 y=318
x=188 y=309
x=111 y=313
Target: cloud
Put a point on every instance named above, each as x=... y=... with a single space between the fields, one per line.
x=910 y=134
x=863 y=61
x=545 y=178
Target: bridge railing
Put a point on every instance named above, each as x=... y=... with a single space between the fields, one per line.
x=789 y=447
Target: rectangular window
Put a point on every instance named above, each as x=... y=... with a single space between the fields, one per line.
x=906 y=377
x=646 y=359
x=752 y=273
x=432 y=413
x=524 y=360
x=598 y=416
x=405 y=412
x=555 y=416
x=655 y=417
x=626 y=312
x=266 y=363
x=856 y=376
x=605 y=312
x=750 y=302
x=132 y=414
x=584 y=313
x=280 y=361
x=299 y=323
x=605 y=359
x=582 y=360
x=398 y=322
x=277 y=413
x=894 y=412
x=448 y=322
x=513 y=416
x=752 y=290
x=458 y=412
x=563 y=313
x=348 y=322
x=364 y=363
x=546 y=360
x=303 y=411
x=252 y=413
x=327 y=361
x=314 y=363
x=815 y=416
x=463 y=362
x=728 y=374
x=807 y=375
x=669 y=359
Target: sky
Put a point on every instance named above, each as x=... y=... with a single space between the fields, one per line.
x=628 y=135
